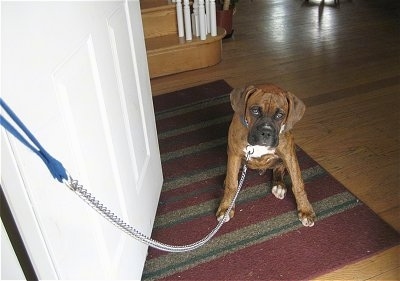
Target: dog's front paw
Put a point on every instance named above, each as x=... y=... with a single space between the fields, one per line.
x=307 y=218
x=279 y=191
x=221 y=214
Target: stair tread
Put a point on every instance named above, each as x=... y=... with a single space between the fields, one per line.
x=148 y=6
x=172 y=41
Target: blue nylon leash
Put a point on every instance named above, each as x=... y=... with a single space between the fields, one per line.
x=55 y=167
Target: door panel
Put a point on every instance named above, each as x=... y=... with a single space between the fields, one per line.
x=83 y=66
x=127 y=82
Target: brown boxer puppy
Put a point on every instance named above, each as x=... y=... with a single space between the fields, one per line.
x=263 y=118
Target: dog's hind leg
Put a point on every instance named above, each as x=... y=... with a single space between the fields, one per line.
x=278 y=186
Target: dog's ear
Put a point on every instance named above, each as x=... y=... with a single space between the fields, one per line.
x=296 y=110
x=239 y=99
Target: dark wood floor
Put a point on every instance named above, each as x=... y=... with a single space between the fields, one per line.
x=343 y=61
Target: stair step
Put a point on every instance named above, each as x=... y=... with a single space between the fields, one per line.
x=166 y=52
x=159 y=18
x=148 y=5
x=170 y=54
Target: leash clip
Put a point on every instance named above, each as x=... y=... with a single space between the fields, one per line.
x=71 y=183
x=249 y=151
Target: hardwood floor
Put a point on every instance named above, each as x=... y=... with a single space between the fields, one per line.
x=343 y=61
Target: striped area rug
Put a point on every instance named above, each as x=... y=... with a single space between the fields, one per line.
x=264 y=240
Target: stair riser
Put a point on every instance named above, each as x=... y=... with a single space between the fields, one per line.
x=175 y=61
x=160 y=23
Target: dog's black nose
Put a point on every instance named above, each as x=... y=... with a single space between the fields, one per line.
x=265 y=130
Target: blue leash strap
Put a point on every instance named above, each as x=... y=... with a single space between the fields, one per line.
x=55 y=167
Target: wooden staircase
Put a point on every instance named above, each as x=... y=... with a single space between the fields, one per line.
x=166 y=52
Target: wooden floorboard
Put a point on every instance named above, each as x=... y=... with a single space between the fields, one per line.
x=343 y=61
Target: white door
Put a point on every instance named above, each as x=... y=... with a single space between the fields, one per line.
x=76 y=74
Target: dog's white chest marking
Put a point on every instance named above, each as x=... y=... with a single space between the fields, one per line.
x=258 y=150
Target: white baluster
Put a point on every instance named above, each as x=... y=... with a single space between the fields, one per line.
x=196 y=30
x=188 y=25
x=208 y=16
x=179 y=18
x=202 y=20
x=213 y=17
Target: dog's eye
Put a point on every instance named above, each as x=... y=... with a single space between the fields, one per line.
x=255 y=110
x=279 y=115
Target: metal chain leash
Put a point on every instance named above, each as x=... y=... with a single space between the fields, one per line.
x=59 y=172
x=118 y=222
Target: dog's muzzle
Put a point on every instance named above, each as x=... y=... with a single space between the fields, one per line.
x=265 y=134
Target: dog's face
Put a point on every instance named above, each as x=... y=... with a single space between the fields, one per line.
x=266 y=111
